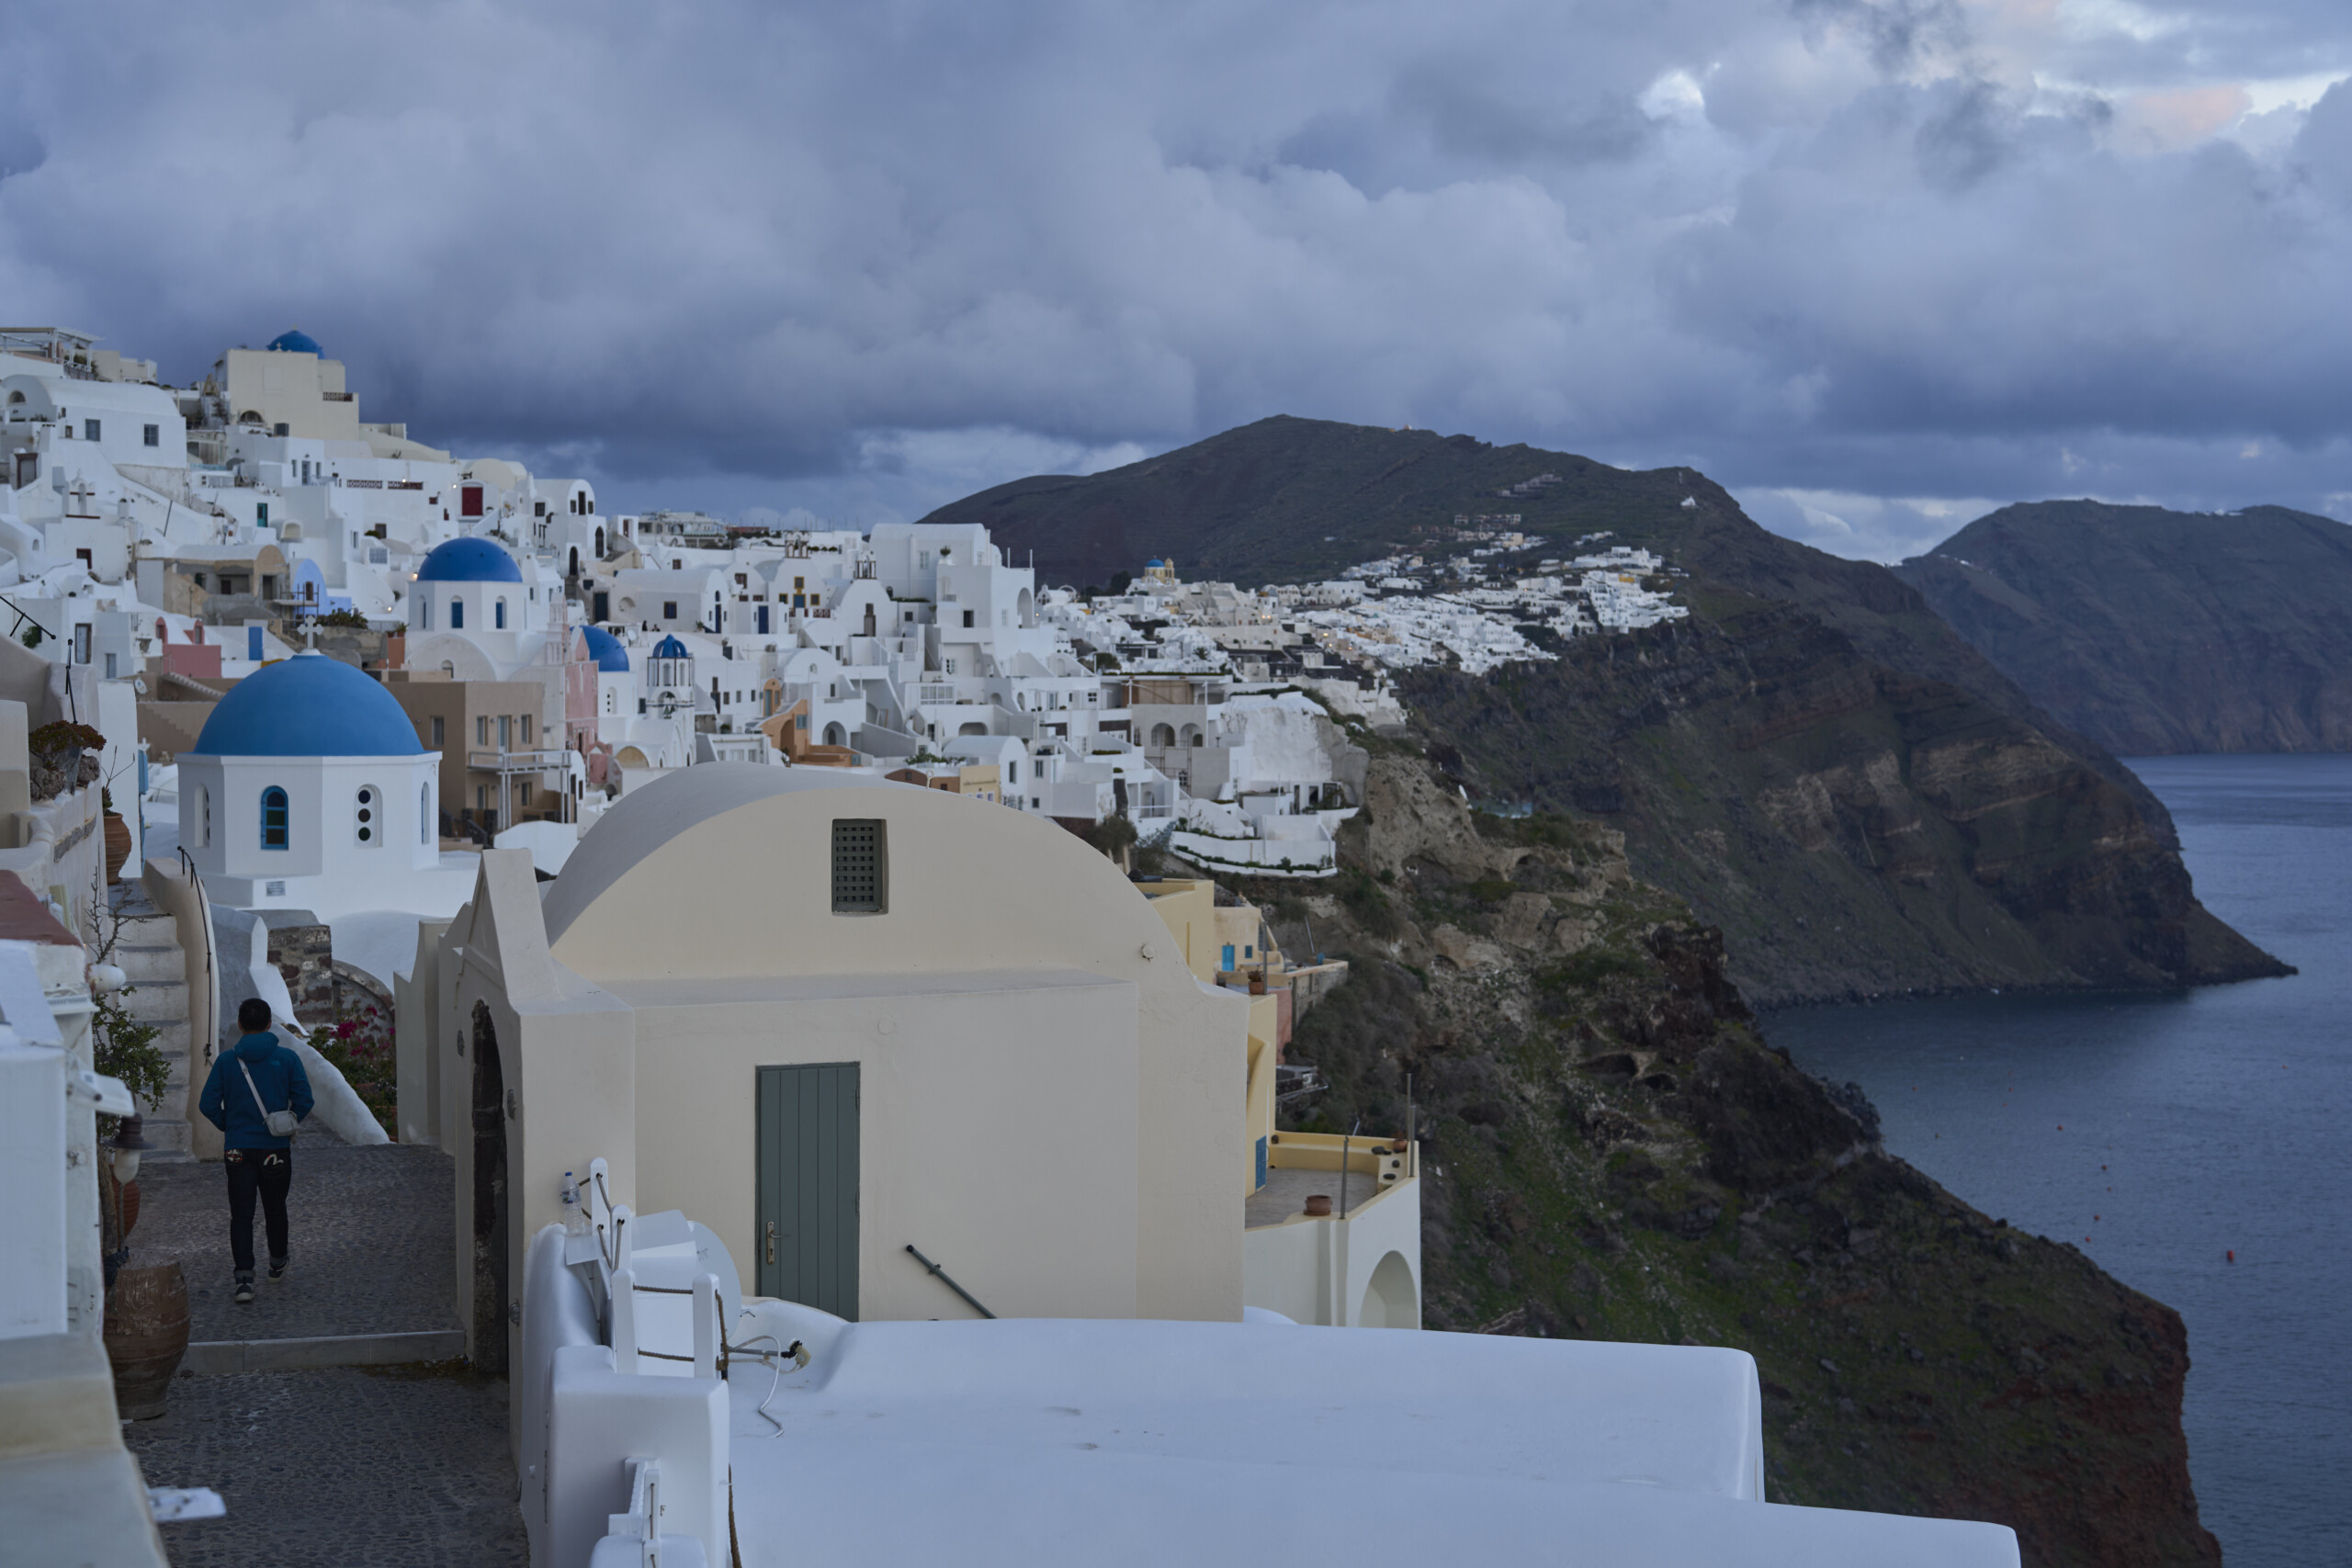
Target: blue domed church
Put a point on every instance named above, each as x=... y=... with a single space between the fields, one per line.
x=308 y=789
x=475 y=611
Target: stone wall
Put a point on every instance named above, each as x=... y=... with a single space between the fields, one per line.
x=304 y=955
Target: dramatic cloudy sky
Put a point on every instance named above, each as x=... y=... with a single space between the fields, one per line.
x=1876 y=265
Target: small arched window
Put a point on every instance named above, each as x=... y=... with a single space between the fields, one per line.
x=456 y=615
x=203 y=817
x=425 y=814
x=368 y=816
x=498 y=615
x=277 y=821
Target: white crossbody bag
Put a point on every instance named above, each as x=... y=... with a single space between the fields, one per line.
x=281 y=1123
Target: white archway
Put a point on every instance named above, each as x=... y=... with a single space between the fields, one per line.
x=1390 y=1298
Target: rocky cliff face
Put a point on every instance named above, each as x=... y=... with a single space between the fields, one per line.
x=1856 y=830
x=2155 y=631
x=1616 y=1153
x=1817 y=761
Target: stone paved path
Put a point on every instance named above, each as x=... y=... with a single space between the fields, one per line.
x=369 y=1234
x=344 y=1467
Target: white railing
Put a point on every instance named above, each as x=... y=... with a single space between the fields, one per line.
x=619 y=1372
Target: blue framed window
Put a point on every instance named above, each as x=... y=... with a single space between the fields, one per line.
x=275 y=820
x=498 y=613
x=253 y=644
x=456 y=615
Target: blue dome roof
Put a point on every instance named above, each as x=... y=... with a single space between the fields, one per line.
x=308 y=706
x=468 y=560
x=670 y=647
x=296 y=342
x=606 y=650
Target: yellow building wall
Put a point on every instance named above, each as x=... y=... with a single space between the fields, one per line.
x=1189 y=908
x=717 y=875
x=995 y=1129
x=291 y=388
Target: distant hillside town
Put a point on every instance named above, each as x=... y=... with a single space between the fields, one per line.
x=169 y=543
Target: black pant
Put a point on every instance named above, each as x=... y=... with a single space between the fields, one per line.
x=265 y=1173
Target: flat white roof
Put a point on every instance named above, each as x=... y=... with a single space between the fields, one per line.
x=1144 y=1443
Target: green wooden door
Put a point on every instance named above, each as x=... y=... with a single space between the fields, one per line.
x=807 y=1202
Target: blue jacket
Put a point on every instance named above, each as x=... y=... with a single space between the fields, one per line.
x=278 y=1072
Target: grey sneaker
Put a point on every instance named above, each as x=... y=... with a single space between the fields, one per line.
x=244 y=1290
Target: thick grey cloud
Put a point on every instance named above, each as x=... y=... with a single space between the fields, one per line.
x=1871 y=263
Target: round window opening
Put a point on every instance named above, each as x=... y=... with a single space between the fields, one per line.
x=366 y=815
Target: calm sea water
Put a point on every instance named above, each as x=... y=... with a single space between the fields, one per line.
x=2194 y=1125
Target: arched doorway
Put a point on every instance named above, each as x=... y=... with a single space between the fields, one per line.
x=834 y=736
x=490 y=1292
x=1390 y=1300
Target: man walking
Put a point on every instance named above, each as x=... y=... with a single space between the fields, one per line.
x=256 y=1095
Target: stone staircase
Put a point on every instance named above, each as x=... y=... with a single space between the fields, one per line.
x=148 y=951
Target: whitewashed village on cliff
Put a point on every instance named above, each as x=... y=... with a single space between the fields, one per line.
x=853 y=1156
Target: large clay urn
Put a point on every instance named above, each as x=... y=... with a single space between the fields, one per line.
x=146 y=1335
x=117 y=833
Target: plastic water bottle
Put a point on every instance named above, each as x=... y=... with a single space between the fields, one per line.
x=573 y=1219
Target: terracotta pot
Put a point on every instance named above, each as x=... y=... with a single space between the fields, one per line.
x=146 y=1335
x=1320 y=1205
x=130 y=1207
x=117 y=846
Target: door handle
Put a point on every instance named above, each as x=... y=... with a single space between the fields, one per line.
x=771 y=1241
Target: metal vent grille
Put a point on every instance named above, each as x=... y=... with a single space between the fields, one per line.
x=860 y=887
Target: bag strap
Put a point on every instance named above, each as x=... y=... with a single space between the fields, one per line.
x=258 y=1101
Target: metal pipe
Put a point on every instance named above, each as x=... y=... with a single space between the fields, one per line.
x=945 y=1279
x=1345 y=1146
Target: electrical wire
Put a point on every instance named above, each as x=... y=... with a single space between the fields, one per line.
x=796 y=1351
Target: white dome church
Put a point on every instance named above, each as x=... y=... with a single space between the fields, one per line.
x=478 y=615
x=308 y=790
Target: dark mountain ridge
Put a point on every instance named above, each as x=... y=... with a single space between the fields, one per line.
x=1816 y=761
x=2154 y=632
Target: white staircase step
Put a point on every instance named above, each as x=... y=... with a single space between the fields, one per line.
x=154 y=1000
x=146 y=963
